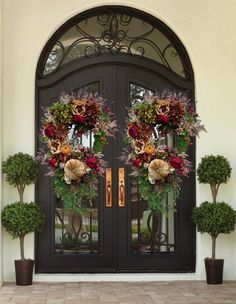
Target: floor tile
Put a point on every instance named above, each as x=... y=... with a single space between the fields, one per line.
x=179 y=292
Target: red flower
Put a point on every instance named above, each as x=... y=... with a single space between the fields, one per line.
x=176 y=162
x=79 y=118
x=92 y=162
x=53 y=162
x=134 y=131
x=163 y=119
x=137 y=162
x=49 y=130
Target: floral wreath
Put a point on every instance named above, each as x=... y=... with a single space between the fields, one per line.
x=75 y=167
x=158 y=167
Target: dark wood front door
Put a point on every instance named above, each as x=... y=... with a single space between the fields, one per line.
x=125 y=237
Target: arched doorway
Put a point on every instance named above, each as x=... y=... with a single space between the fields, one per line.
x=120 y=53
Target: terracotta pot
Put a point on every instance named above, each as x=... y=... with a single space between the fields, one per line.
x=24 y=272
x=214 y=270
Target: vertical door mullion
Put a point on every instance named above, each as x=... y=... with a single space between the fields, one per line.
x=122 y=212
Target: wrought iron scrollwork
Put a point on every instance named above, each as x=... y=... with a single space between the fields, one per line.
x=157 y=237
x=114 y=33
x=153 y=236
x=151 y=231
x=72 y=236
x=154 y=240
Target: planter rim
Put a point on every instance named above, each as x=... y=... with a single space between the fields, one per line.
x=26 y=261
x=210 y=259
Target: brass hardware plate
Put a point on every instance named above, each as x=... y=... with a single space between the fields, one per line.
x=121 y=187
x=108 y=188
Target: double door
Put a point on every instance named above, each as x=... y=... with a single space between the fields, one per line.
x=117 y=232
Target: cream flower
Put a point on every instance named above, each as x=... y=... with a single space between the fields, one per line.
x=163 y=106
x=138 y=146
x=78 y=107
x=74 y=170
x=55 y=146
x=158 y=170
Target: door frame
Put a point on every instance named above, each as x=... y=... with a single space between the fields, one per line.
x=143 y=63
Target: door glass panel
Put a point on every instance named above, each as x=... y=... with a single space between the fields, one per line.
x=150 y=231
x=79 y=231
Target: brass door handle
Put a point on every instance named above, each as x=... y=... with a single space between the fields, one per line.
x=121 y=187
x=108 y=187
x=109 y=202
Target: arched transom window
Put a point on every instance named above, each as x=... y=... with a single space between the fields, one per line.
x=115 y=31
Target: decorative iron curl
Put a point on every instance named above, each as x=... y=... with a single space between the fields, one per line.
x=157 y=237
x=74 y=235
x=114 y=38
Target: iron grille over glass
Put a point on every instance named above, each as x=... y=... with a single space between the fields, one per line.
x=78 y=231
x=150 y=231
x=114 y=31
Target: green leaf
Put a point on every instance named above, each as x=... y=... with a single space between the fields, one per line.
x=74 y=199
x=214 y=170
x=20 y=219
x=214 y=218
x=156 y=199
x=20 y=169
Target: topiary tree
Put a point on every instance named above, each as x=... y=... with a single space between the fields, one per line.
x=21 y=170
x=20 y=219
x=214 y=170
x=214 y=219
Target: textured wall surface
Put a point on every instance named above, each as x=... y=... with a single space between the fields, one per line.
x=206 y=28
x=1 y=137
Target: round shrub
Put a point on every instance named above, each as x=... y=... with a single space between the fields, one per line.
x=20 y=169
x=214 y=170
x=20 y=219
x=214 y=218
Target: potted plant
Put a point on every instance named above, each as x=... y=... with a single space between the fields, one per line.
x=20 y=218
x=214 y=217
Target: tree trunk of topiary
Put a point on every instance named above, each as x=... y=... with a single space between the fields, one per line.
x=21 y=189
x=22 y=253
x=214 y=191
x=213 y=247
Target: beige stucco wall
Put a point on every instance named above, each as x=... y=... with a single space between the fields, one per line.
x=206 y=28
x=0 y=140
x=1 y=135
